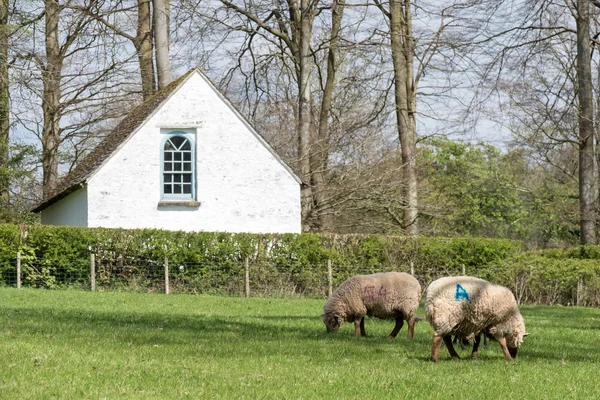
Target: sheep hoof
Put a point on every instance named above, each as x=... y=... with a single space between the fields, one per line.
x=474 y=357
x=391 y=337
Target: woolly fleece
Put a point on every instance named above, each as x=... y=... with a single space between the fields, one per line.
x=381 y=295
x=489 y=308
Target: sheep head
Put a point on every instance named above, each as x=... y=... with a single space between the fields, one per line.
x=332 y=321
x=515 y=335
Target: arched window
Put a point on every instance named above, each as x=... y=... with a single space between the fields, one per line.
x=178 y=167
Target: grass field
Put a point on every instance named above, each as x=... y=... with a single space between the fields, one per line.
x=80 y=345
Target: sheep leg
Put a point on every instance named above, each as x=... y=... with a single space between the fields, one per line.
x=476 y=346
x=435 y=347
x=502 y=341
x=411 y=328
x=359 y=327
x=397 y=327
x=448 y=341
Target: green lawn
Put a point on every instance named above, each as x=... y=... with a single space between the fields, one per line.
x=81 y=345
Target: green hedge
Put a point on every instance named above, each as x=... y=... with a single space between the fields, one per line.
x=568 y=276
x=53 y=255
x=209 y=262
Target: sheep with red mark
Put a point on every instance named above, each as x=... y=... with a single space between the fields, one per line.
x=389 y=295
x=468 y=307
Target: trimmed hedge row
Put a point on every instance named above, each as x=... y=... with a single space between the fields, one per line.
x=291 y=264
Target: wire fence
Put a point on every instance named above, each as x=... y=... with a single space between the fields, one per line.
x=248 y=278
x=245 y=278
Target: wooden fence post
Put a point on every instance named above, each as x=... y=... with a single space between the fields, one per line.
x=166 y=275
x=329 y=279
x=247 y=276
x=579 y=289
x=93 y=271
x=18 y=269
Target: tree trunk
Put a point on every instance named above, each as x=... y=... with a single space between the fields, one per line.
x=4 y=104
x=320 y=154
x=161 y=42
x=587 y=162
x=405 y=98
x=304 y=107
x=144 y=48
x=51 y=98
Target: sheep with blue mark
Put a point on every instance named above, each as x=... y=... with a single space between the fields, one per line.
x=390 y=295
x=468 y=307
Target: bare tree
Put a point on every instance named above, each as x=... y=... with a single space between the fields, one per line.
x=142 y=40
x=4 y=102
x=555 y=106
x=51 y=75
x=402 y=44
x=292 y=32
x=588 y=175
x=321 y=143
x=78 y=77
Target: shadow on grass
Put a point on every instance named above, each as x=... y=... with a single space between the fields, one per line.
x=216 y=335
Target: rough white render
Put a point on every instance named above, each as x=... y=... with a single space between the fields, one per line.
x=241 y=185
x=71 y=211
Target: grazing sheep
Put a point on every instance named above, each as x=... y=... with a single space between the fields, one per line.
x=467 y=307
x=390 y=295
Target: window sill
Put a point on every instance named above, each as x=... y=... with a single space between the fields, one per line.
x=179 y=204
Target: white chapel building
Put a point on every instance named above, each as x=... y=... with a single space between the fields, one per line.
x=186 y=160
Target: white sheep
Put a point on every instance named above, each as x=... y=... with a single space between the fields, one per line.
x=390 y=295
x=468 y=307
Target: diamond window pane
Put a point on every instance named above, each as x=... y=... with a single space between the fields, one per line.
x=178 y=141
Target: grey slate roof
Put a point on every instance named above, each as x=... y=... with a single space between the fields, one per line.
x=78 y=177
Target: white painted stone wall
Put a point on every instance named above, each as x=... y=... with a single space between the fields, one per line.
x=70 y=211
x=241 y=185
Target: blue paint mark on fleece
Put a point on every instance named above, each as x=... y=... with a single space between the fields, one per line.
x=461 y=293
